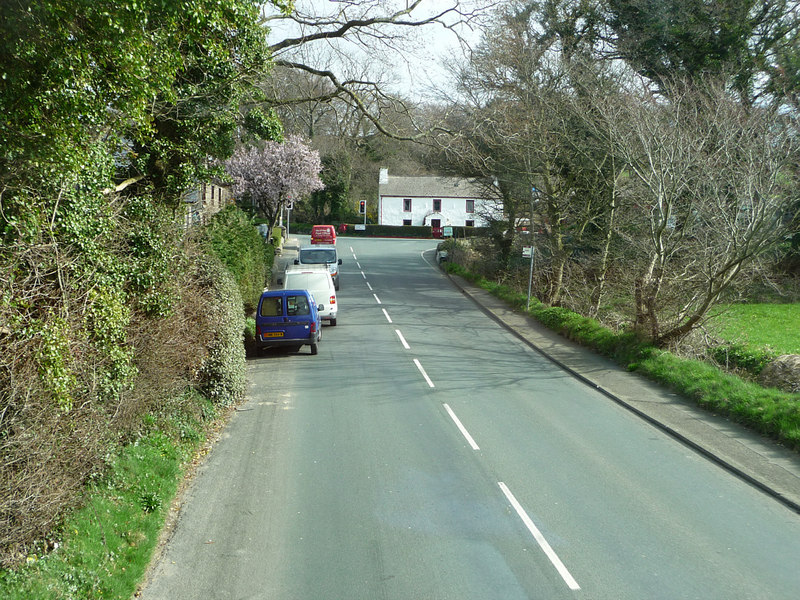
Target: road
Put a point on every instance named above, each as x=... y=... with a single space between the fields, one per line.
x=427 y=453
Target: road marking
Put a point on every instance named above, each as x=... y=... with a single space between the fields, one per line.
x=388 y=318
x=378 y=300
x=562 y=570
x=362 y=274
x=369 y=286
x=461 y=428
x=358 y=264
x=424 y=374
x=353 y=252
x=402 y=339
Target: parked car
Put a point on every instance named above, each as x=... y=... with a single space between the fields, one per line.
x=288 y=318
x=323 y=234
x=317 y=280
x=320 y=255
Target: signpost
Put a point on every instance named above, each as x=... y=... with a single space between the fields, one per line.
x=528 y=251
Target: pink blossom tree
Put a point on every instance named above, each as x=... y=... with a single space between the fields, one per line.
x=270 y=176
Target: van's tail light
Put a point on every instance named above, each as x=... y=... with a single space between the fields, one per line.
x=332 y=300
x=258 y=329
x=313 y=327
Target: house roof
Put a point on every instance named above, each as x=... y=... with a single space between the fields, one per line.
x=431 y=187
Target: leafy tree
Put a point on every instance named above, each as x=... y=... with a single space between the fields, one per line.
x=330 y=203
x=267 y=178
x=673 y=40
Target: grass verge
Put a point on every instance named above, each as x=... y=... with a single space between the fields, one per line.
x=768 y=411
x=103 y=550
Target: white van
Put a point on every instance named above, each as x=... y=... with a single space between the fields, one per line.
x=320 y=255
x=317 y=280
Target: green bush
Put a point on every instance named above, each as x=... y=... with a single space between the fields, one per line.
x=222 y=376
x=233 y=237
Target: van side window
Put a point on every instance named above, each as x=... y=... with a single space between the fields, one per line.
x=271 y=307
x=297 y=305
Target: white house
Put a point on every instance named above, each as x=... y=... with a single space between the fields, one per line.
x=432 y=201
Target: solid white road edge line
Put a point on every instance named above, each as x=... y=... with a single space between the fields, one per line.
x=461 y=428
x=402 y=339
x=388 y=318
x=376 y=298
x=562 y=570
x=424 y=374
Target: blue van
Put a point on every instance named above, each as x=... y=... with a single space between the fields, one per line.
x=288 y=318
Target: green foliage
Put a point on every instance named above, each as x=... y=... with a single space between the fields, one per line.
x=222 y=377
x=55 y=361
x=234 y=239
x=330 y=204
x=261 y=126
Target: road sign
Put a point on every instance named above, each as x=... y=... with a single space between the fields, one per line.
x=527 y=251
x=448 y=232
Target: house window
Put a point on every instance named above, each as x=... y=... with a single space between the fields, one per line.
x=407 y=205
x=470 y=223
x=437 y=205
x=407 y=222
x=470 y=206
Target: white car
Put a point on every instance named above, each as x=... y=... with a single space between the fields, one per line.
x=317 y=280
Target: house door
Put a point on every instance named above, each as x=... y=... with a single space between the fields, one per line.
x=436 y=228
x=436 y=223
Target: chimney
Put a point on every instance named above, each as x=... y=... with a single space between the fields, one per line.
x=383 y=178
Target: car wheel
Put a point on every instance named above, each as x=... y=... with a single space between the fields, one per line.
x=314 y=348
x=333 y=322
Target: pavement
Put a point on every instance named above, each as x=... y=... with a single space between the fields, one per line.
x=760 y=461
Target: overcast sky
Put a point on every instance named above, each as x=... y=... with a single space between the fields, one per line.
x=419 y=66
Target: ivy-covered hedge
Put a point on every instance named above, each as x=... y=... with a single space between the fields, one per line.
x=233 y=237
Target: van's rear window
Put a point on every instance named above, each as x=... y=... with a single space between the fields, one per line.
x=271 y=307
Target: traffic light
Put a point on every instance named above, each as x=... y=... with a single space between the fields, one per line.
x=362 y=207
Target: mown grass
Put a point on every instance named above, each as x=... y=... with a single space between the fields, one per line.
x=768 y=411
x=773 y=326
x=103 y=549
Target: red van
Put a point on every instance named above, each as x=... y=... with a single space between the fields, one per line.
x=323 y=234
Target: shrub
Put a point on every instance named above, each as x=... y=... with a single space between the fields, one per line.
x=233 y=237
x=222 y=376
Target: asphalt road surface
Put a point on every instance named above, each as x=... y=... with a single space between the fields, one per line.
x=427 y=453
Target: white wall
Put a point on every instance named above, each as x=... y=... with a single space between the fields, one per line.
x=453 y=212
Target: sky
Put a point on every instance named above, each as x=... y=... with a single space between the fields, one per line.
x=414 y=70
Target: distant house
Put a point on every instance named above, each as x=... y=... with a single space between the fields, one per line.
x=432 y=201
x=204 y=201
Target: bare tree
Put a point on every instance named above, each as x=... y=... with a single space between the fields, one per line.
x=351 y=46
x=711 y=191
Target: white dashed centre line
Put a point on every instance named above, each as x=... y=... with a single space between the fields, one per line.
x=562 y=570
x=369 y=286
x=461 y=428
x=362 y=274
x=378 y=300
x=402 y=339
x=388 y=318
x=424 y=374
